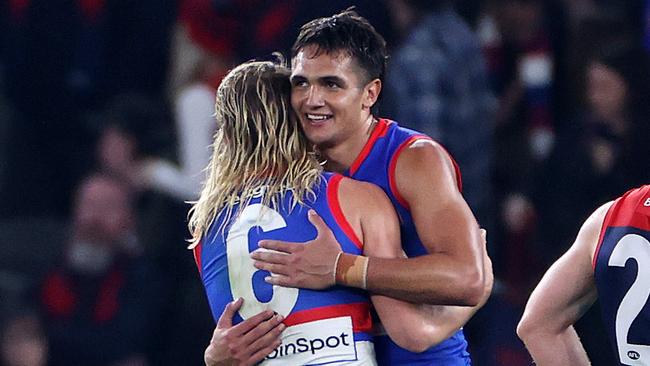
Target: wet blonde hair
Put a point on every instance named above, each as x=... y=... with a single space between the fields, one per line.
x=259 y=143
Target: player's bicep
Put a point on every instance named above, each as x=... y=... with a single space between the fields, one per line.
x=563 y=295
x=427 y=181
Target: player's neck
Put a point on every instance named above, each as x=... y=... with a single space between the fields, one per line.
x=341 y=156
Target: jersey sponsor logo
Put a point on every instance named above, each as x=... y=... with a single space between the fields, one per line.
x=634 y=355
x=647 y=203
x=318 y=342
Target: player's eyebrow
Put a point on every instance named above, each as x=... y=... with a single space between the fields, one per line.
x=296 y=78
x=333 y=79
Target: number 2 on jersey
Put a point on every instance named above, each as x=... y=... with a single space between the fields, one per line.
x=240 y=264
x=638 y=248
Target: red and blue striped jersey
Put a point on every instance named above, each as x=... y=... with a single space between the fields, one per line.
x=622 y=275
x=322 y=326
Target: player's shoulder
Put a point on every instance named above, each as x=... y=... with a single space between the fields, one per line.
x=637 y=198
x=359 y=191
x=424 y=153
x=589 y=234
x=596 y=219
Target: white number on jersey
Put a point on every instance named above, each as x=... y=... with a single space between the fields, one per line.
x=240 y=265
x=638 y=248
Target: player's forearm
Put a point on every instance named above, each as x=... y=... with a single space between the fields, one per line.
x=552 y=348
x=432 y=279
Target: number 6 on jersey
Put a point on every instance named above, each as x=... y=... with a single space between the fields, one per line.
x=240 y=265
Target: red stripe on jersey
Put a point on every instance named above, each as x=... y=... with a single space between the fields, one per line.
x=632 y=209
x=337 y=212
x=360 y=313
x=393 y=164
x=197 y=256
x=380 y=131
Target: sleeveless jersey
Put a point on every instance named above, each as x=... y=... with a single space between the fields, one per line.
x=622 y=275
x=323 y=327
x=376 y=164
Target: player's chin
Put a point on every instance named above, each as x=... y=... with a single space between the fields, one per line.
x=318 y=138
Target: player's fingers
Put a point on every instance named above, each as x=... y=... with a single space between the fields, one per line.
x=259 y=355
x=252 y=322
x=280 y=280
x=271 y=257
x=280 y=246
x=262 y=330
x=276 y=269
x=318 y=222
x=225 y=320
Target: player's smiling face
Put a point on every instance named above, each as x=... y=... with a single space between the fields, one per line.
x=328 y=96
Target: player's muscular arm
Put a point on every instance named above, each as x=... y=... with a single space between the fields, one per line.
x=413 y=327
x=452 y=274
x=453 y=271
x=563 y=295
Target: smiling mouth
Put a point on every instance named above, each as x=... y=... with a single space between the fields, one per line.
x=318 y=118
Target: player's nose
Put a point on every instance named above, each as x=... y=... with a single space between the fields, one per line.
x=314 y=97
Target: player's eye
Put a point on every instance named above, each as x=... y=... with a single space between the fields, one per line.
x=332 y=85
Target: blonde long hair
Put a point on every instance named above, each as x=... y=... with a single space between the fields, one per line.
x=259 y=143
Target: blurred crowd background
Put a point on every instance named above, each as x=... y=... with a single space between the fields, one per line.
x=105 y=126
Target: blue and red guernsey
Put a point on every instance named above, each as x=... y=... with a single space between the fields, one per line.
x=376 y=164
x=622 y=273
x=323 y=327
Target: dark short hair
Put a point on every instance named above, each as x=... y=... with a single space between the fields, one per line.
x=348 y=32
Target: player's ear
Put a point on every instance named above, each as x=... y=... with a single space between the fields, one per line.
x=371 y=93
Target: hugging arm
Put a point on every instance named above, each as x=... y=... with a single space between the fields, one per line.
x=451 y=273
x=415 y=327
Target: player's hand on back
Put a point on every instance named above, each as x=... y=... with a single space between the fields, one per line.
x=305 y=265
x=246 y=343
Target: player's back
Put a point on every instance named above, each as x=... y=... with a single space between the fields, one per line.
x=376 y=164
x=323 y=327
x=622 y=275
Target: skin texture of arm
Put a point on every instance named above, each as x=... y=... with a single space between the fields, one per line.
x=413 y=327
x=564 y=294
x=452 y=273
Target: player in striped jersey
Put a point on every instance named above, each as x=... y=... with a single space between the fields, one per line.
x=263 y=182
x=609 y=261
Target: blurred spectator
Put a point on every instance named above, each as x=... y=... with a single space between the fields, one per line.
x=61 y=60
x=134 y=128
x=195 y=126
x=102 y=302
x=524 y=43
x=437 y=83
x=605 y=148
x=137 y=135
x=22 y=339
